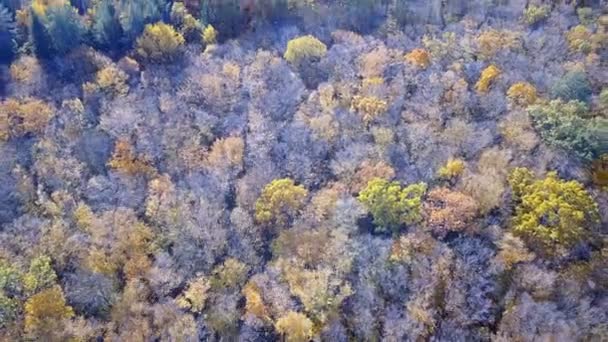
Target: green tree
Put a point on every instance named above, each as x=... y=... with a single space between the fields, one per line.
x=40 y=275
x=551 y=214
x=568 y=126
x=39 y=36
x=135 y=14
x=64 y=27
x=7 y=35
x=574 y=85
x=392 y=205
x=226 y=16
x=106 y=29
x=280 y=200
x=10 y=288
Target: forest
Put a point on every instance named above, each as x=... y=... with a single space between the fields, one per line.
x=303 y=170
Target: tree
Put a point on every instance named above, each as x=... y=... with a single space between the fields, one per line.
x=39 y=36
x=135 y=14
x=579 y=39
x=304 y=49
x=106 y=29
x=488 y=75
x=65 y=28
x=568 y=126
x=369 y=107
x=7 y=35
x=280 y=200
x=574 y=85
x=522 y=93
x=18 y=118
x=452 y=169
x=419 y=58
x=392 y=205
x=228 y=16
x=448 y=210
x=159 y=43
x=45 y=313
x=209 y=35
x=551 y=214
x=535 y=14
x=296 y=327
x=40 y=275
x=195 y=295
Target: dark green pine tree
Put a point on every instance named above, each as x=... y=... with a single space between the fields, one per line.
x=7 y=35
x=39 y=36
x=106 y=29
x=135 y=14
x=65 y=28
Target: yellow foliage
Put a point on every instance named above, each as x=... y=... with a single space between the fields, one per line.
x=232 y=273
x=491 y=42
x=552 y=213
x=226 y=152
x=254 y=303
x=195 y=296
x=369 y=107
x=20 y=117
x=126 y=161
x=488 y=75
x=209 y=35
x=25 y=70
x=304 y=47
x=45 y=312
x=295 y=326
x=419 y=57
x=159 y=42
x=279 y=200
x=452 y=169
x=579 y=39
x=522 y=93
x=112 y=80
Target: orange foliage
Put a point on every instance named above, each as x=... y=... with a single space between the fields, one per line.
x=126 y=161
x=419 y=57
x=448 y=210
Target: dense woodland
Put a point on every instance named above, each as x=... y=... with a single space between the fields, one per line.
x=297 y=170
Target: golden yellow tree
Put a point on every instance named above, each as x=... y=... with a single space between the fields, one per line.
x=551 y=213
x=488 y=75
x=304 y=48
x=159 y=43
x=281 y=199
x=45 y=313
x=295 y=326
